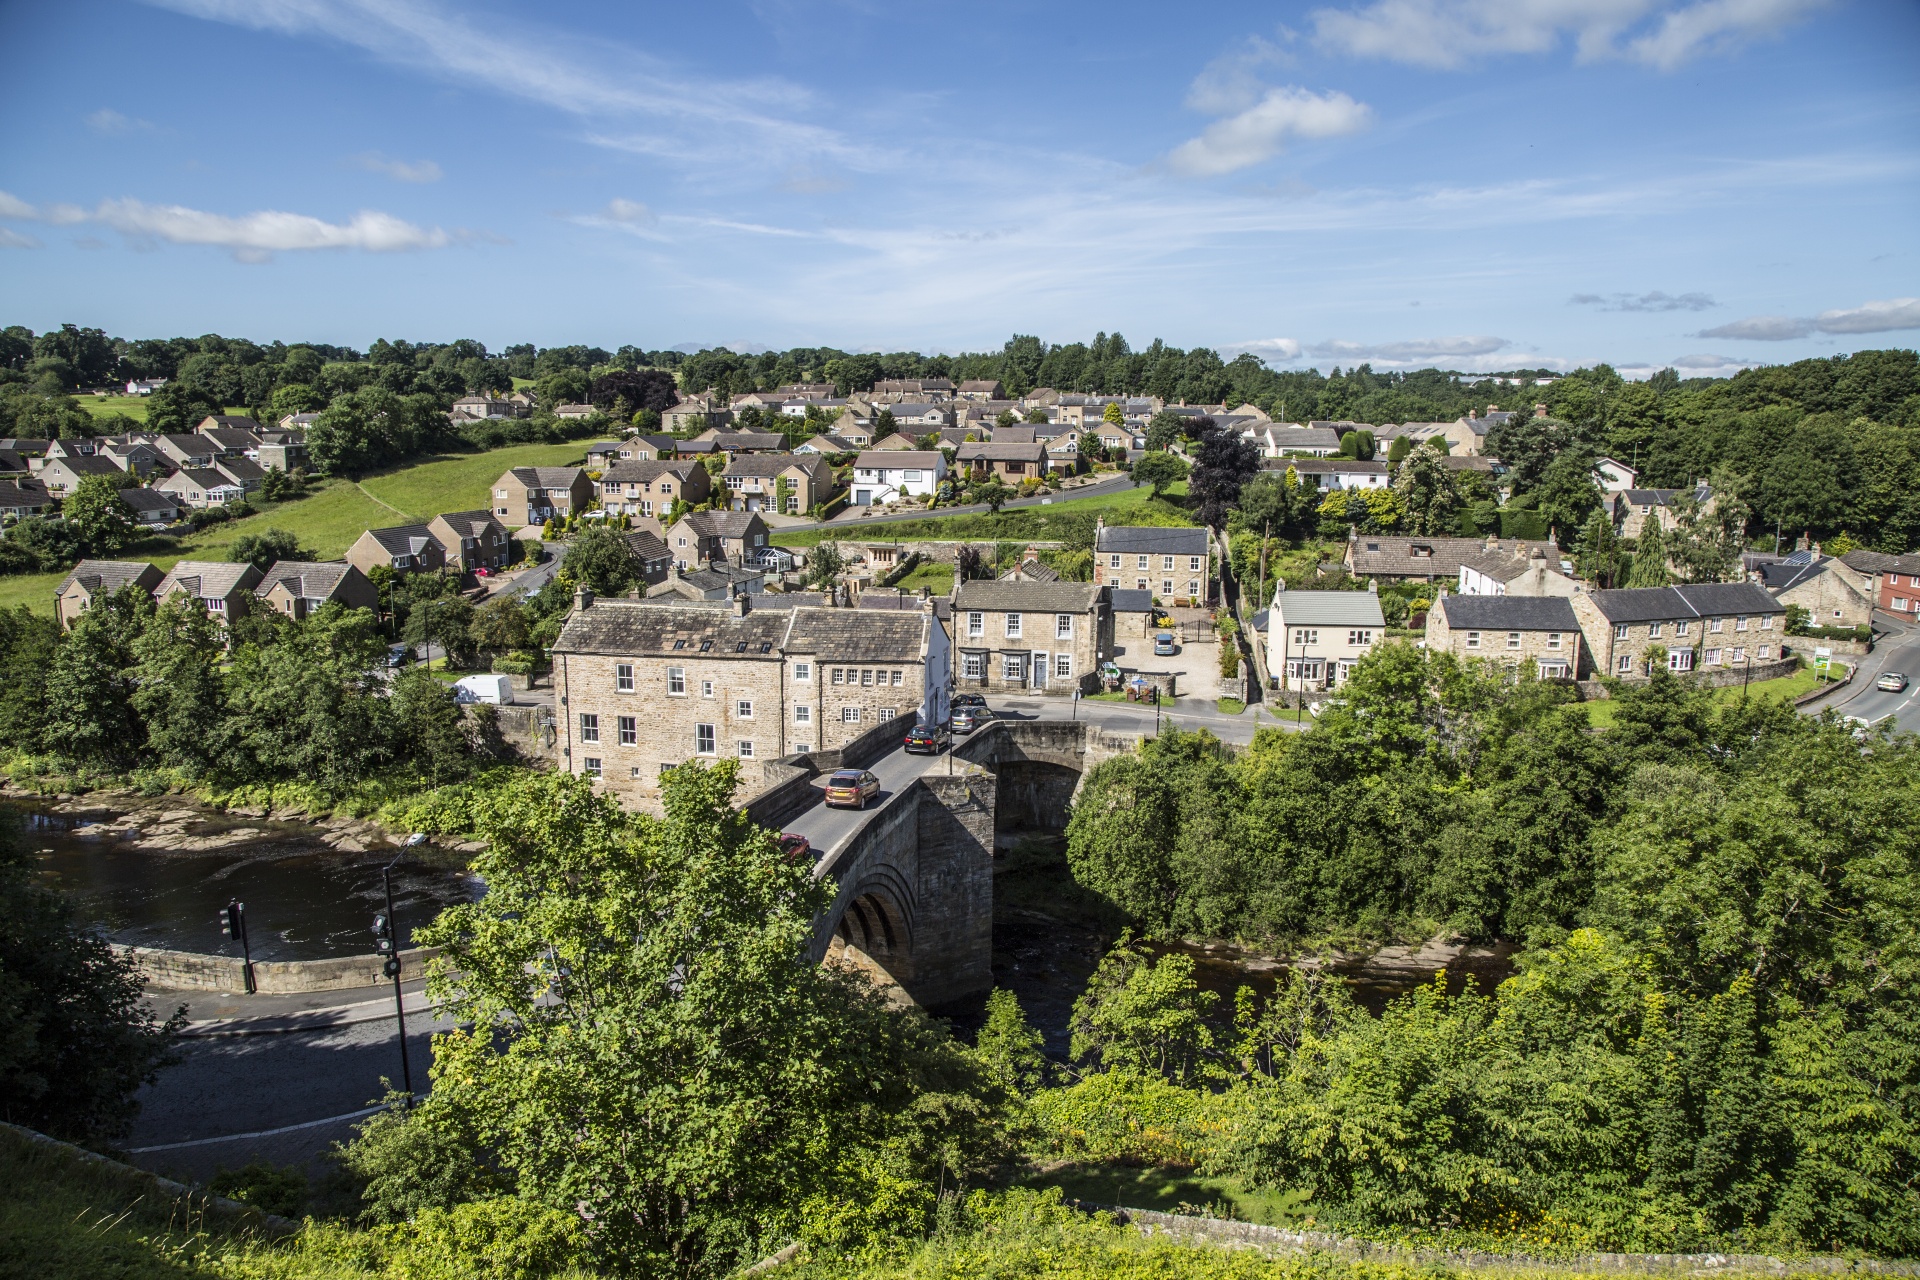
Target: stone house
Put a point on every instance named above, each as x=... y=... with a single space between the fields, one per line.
x=223 y=590
x=652 y=561
x=703 y=537
x=981 y=389
x=716 y=583
x=298 y=587
x=134 y=455
x=650 y=488
x=1509 y=630
x=1315 y=638
x=472 y=539
x=534 y=495
x=1893 y=581
x=1011 y=462
x=21 y=498
x=150 y=506
x=62 y=476
x=1502 y=573
x=647 y=685
x=1630 y=509
x=1016 y=636
x=695 y=414
x=245 y=472
x=96 y=580
x=182 y=450
x=404 y=548
x=1174 y=564
x=1423 y=559
x=235 y=433
x=1716 y=624
x=1833 y=593
x=199 y=487
x=738 y=442
x=281 y=450
x=783 y=482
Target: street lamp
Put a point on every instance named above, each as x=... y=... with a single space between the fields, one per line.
x=386 y=943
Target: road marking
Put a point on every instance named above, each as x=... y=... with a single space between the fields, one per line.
x=260 y=1133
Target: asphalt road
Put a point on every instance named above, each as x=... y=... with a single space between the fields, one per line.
x=1895 y=652
x=825 y=828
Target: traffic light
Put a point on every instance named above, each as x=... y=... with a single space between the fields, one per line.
x=383 y=935
x=231 y=919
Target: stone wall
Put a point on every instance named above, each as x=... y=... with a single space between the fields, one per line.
x=528 y=730
x=191 y=971
x=1705 y=677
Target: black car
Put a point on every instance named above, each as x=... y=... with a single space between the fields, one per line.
x=969 y=700
x=928 y=739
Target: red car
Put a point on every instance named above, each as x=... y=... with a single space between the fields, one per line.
x=796 y=847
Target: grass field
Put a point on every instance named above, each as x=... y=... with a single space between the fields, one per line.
x=1601 y=714
x=134 y=407
x=328 y=520
x=1024 y=522
x=936 y=575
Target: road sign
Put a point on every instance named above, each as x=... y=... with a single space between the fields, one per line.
x=1822 y=659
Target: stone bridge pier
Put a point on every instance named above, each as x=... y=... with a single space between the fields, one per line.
x=915 y=883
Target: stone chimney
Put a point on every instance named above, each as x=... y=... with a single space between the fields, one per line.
x=742 y=604
x=583 y=597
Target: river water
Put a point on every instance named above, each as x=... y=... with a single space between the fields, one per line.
x=305 y=900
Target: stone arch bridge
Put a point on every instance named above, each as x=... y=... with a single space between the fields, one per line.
x=915 y=882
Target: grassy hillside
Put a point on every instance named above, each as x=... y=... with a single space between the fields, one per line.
x=1125 y=506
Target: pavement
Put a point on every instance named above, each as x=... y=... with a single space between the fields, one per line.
x=1898 y=649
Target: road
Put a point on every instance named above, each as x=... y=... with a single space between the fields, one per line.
x=1896 y=651
x=851 y=516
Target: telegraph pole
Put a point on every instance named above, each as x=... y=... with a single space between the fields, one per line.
x=386 y=943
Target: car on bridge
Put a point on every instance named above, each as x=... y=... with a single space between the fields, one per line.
x=1890 y=682
x=928 y=739
x=795 y=847
x=967 y=719
x=852 y=788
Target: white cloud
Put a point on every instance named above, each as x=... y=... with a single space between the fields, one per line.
x=1228 y=83
x=592 y=78
x=1694 y=366
x=11 y=239
x=1452 y=34
x=619 y=210
x=399 y=170
x=107 y=120
x=1270 y=350
x=1872 y=317
x=1424 y=350
x=1260 y=130
x=1654 y=301
x=252 y=237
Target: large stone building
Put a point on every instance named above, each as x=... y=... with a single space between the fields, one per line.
x=1894 y=580
x=1719 y=624
x=404 y=548
x=790 y=484
x=534 y=495
x=1174 y=564
x=224 y=590
x=649 y=684
x=472 y=540
x=1014 y=636
x=1509 y=630
x=1833 y=592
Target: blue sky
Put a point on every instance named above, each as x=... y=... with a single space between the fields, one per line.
x=1477 y=184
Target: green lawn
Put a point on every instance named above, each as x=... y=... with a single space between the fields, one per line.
x=101 y=406
x=1025 y=522
x=1601 y=714
x=34 y=590
x=933 y=574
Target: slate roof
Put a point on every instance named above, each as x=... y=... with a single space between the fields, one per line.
x=1509 y=613
x=25 y=444
x=642 y=545
x=12 y=461
x=1701 y=600
x=667 y=627
x=91 y=464
x=204 y=478
x=896 y=441
x=305 y=579
x=722 y=524
x=901 y=460
x=1328 y=609
x=1880 y=562
x=995 y=451
x=1393 y=557
x=470 y=524
x=1032 y=571
x=1314 y=437
x=106 y=576
x=832 y=444
x=1129 y=539
x=233 y=437
x=148 y=500
x=231 y=422
x=734 y=441
x=546 y=477
x=999 y=596
x=1785 y=574
x=207 y=579
x=772 y=464
x=404 y=539
x=12 y=496
x=1012 y=435
x=646 y=472
x=1328 y=466
x=1131 y=601
x=860 y=635
x=240 y=470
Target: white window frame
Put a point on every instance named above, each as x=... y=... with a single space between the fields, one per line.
x=849 y=715
x=706 y=741
x=590 y=766
x=1063 y=666
x=1063 y=626
x=803 y=672
x=623 y=677
x=1513 y=639
x=976 y=623
x=1014 y=625
x=802 y=713
x=589 y=726
x=1473 y=639
x=743 y=709
x=1624 y=664
x=629 y=730
x=676 y=682
x=745 y=749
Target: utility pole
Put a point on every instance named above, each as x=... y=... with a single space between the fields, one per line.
x=386 y=943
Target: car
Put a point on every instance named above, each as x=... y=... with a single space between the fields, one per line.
x=928 y=739
x=852 y=788
x=795 y=847
x=967 y=719
x=1890 y=682
x=969 y=700
x=1163 y=645
x=399 y=655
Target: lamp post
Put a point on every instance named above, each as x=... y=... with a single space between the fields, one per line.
x=386 y=943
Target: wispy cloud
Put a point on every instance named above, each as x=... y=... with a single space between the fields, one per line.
x=1694 y=366
x=251 y=237
x=420 y=171
x=1453 y=34
x=1259 y=131
x=11 y=239
x=1873 y=317
x=1270 y=350
x=1654 y=301
x=577 y=76
x=1421 y=351
x=108 y=121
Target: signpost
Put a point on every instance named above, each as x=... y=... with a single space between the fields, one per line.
x=1822 y=663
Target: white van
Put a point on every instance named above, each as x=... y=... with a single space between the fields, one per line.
x=487 y=688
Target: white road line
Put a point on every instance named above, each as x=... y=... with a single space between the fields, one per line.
x=261 y=1133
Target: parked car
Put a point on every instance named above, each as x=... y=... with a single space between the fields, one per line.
x=399 y=655
x=1163 y=645
x=967 y=719
x=796 y=847
x=1890 y=682
x=928 y=739
x=852 y=788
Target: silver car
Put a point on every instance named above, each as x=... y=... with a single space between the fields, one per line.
x=1890 y=682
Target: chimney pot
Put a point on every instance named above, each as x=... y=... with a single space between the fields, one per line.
x=583 y=597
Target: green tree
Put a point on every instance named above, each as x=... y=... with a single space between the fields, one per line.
x=1113 y=414
x=1143 y=1015
x=1602 y=561
x=94 y=508
x=500 y=624
x=1567 y=494
x=600 y=559
x=1161 y=470
x=1428 y=492
x=1649 y=567
x=1397 y=451
x=177 y=686
x=428 y=728
x=89 y=690
x=1009 y=1049
x=447 y=622
x=992 y=491
x=262 y=550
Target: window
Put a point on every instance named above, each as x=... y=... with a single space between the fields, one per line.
x=1194 y=564
x=1141 y=563
x=1166 y=586
x=1193 y=587
x=1113 y=562
x=1766 y=651
x=1063 y=665
x=1304 y=636
x=743 y=709
x=1303 y=669
x=1473 y=639
x=591 y=766
x=1014 y=667
x=886 y=713
x=1715 y=624
x=896 y=678
x=676 y=682
x=909 y=476
x=1013 y=626
x=1766 y=623
x=1710 y=658
x=589 y=728
x=1063 y=626
x=802 y=713
x=629 y=731
x=1139 y=584
x=1737 y=654
x=1680 y=660
x=746 y=750
x=1653 y=631
x=634 y=772
x=1624 y=663
x=839 y=675
x=866 y=678
x=1513 y=639
x=1359 y=638
x=849 y=715
x=1620 y=631
x=1739 y=624
x=623 y=677
x=1553 y=670
x=1553 y=639
x=803 y=671
x=706 y=688
x=976 y=624
x=704 y=740
x=1166 y=563
x=1682 y=629
x=973 y=666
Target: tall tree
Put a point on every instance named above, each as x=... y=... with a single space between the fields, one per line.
x=1649 y=567
x=1223 y=462
x=95 y=509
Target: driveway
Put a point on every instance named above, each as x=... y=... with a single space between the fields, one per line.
x=1197 y=664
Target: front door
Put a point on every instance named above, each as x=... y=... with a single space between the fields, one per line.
x=1039 y=663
